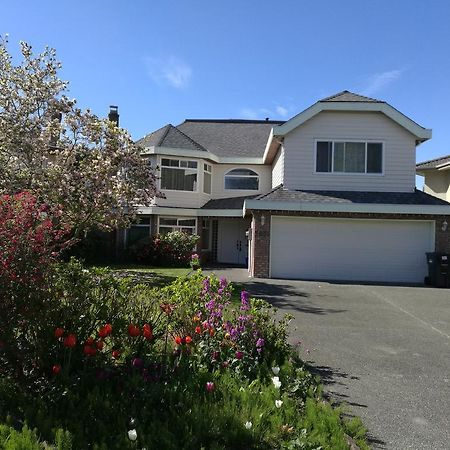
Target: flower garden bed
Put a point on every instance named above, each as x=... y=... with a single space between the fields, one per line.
x=119 y=365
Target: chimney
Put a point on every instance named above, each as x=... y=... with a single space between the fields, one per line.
x=113 y=115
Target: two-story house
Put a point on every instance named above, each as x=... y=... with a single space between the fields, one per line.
x=328 y=194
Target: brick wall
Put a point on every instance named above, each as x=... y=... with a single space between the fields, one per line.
x=261 y=232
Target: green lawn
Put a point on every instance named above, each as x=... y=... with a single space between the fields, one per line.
x=161 y=276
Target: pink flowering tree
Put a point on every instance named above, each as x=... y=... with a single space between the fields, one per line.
x=63 y=155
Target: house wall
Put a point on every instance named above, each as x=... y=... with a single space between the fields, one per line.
x=399 y=153
x=261 y=232
x=438 y=184
x=218 y=181
x=198 y=198
x=278 y=168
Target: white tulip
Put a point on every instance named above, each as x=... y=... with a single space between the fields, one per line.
x=278 y=403
x=248 y=425
x=276 y=370
x=276 y=381
x=132 y=435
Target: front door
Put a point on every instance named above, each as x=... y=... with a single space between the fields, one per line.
x=232 y=245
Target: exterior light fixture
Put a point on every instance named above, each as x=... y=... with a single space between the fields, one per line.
x=263 y=220
x=444 y=225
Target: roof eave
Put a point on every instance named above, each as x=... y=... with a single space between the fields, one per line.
x=169 y=151
x=380 y=208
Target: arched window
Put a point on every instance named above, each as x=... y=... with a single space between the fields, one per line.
x=243 y=179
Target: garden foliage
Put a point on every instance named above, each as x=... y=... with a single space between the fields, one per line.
x=168 y=250
x=89 y=360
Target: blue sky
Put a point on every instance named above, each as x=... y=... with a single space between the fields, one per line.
x=164 y=61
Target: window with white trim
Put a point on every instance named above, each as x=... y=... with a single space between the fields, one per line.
x=138 y=230
x=349 y=157
x=243 y=179
x=207 y=170
x=178 y=175
x=168 y=224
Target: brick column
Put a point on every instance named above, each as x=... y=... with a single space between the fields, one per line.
x=442 y=237
x=261 y=244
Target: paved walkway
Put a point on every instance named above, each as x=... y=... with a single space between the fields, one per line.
x=382 y=350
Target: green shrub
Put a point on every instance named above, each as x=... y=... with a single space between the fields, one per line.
x=170 y=249
x=27 y=439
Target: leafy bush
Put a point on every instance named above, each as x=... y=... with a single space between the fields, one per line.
x=170 y=249
x=26 y=439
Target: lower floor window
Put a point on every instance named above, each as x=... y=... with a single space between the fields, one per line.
x=168 y=224
x=138 y=230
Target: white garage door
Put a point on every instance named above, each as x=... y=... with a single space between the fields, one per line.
x=350 y=249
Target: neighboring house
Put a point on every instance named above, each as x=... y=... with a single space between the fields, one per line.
x=437 y=177
x=328 y=194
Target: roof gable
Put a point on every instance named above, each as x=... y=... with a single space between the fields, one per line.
x=349 y=102
x=347 y=96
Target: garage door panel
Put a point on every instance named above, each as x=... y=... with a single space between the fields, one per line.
x=346 y=249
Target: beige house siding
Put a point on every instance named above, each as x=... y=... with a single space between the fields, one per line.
x=278 y=168
x=218 y=181
x=438 y=184
x=398 y=148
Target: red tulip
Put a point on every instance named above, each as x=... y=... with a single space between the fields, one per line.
x=133 y=330
x=178 y=340
x=116 y=354
x=188 y=339
x=211 y=332
x=147 y=331
x=89 y=351
x=99 y=345
x=59 y=332
x=56 y=369
x=70 y=341
x=105 y=330
x=198 y=330
x=89 y=340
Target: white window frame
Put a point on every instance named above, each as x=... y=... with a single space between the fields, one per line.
x=227 y=174
x=363 y=141
x=181 y=168
x=177 y=227
x=207 y=168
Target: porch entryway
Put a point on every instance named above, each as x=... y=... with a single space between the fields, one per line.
x=232 y=241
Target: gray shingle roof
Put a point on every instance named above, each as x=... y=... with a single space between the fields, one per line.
x=227 y=203
x=169 y=136
x=245 y=138
x=347 y=96
x=395 y=198
x=433 y=163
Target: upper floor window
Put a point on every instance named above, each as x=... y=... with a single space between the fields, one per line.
x=178 y=175
x=349 y=157
x=244 y=179
x=207 y=169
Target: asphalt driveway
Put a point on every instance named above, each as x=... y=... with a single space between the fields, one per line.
x=382 y=350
